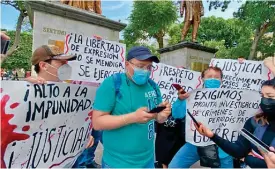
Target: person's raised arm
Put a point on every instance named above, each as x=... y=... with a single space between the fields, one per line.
x=179 y=107
x=269 y=62
x=239 y=149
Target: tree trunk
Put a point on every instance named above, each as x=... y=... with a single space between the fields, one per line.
x=160 y=42
x=159 y=36
x=17 y=35
x=258 y=35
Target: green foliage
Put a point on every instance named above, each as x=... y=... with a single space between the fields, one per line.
x=255 y=13
x=260 y=15
x=152 y=48
x=222 y=34
x=20 y=58
x=150 y=19
x=219 y=4
x=17 y=4
x=175 y=33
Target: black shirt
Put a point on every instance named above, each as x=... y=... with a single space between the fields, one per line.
x=170 y=138
x=242 y=147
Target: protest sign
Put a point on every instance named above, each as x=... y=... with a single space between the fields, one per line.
x=97 y=58
x=44 y=126
x=246 y=74
x=165 y=76
x=224 y=111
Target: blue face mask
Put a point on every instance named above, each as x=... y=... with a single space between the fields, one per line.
x=212 y=83
x=140 y=76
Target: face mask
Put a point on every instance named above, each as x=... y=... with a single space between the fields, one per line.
x=268 y=107
x=63 y=72
x=212 y=83
x=140 y=76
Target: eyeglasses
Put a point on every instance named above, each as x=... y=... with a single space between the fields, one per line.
x=149 y=67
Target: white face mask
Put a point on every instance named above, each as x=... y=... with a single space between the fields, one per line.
x=64 y=72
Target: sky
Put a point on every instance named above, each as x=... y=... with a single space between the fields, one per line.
x=115 y=10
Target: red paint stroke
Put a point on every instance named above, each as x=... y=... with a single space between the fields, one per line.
x=121 y=55
x=40 y=127
x=22 y=165
x=152 y=72
x=87 y=118
x=181 y=67
x=7 y=130
x=268 y=74
x=90 y=116
x=199 y=79
x=211 y=64
x=66 y=43
x=26 y=128
x=57 y=164
x=14 y=105
x=51 y=136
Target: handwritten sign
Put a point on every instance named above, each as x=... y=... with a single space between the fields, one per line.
x=44 y=126
x=224 y=111
x=246 y=74
x=97 y=59
x=165 y=76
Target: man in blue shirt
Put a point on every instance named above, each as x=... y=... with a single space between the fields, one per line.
x=128 y=136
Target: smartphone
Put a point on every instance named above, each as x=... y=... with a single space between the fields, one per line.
x=4 y=45
x=192 y=117
x=178 y=87
x=157 y=109
x=254 y=140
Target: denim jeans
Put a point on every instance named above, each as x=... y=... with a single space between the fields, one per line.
x=188 y=155
x=88 y=155
x=151 y=164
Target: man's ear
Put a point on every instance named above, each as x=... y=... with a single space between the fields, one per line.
x=126 y=63
x=43 y=65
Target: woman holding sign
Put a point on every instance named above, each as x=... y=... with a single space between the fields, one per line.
x=262 y=127
x=190 y=154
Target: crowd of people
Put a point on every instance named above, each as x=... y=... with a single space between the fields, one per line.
x=122 y=121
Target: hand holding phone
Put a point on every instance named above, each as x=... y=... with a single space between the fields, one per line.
x=157 y=109
x=254 y=140
x=178 y=87
x=192 y=117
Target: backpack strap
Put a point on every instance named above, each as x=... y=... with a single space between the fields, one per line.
x=117 y=84
x=154 y=86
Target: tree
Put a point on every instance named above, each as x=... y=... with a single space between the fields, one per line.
x=150 y=19
x=19 y=6
x=219 y=4
x=261 y=16
x=215 y=29
x=152 y=48
x=231 y=36
x=21 y=57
